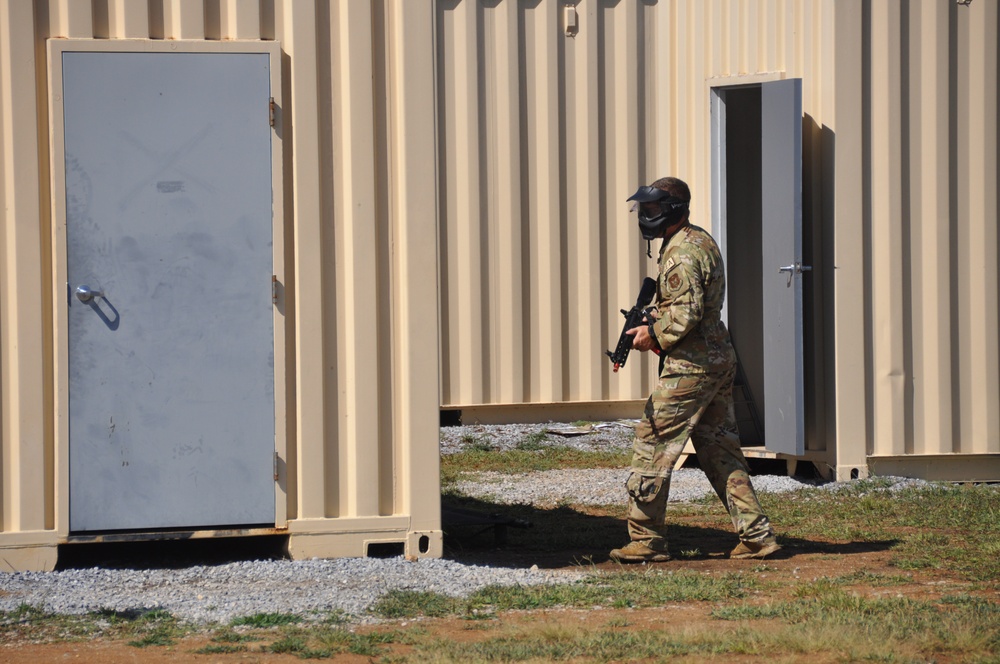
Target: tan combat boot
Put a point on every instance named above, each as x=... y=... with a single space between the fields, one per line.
x=638 y=552
x=760 y=549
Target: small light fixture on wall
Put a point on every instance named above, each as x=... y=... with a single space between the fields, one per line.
x=571 y=22
x=964 y=2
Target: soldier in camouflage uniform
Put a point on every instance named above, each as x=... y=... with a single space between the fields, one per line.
x=694 y=395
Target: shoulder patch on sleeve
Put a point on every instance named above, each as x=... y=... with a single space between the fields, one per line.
x=674 y=281
x=670 y=263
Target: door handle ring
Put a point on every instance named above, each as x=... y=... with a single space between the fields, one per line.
x=85 y=294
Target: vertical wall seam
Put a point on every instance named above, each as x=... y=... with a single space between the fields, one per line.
x=957 y=293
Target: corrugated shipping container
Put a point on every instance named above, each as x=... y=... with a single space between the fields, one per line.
x=450 y=230
x=550 y=116
x=355 y=443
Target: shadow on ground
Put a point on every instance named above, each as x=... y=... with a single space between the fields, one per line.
x=476 y=532
x=566 y=536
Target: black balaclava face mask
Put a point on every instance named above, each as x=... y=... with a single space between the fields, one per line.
x=671 y=209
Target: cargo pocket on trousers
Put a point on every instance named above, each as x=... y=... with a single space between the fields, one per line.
x=643 y=488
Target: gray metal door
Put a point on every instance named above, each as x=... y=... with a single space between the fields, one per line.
x=781 y=228
x=169 y=263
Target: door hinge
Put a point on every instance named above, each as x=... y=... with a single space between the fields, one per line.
x=270 y=111
x=274 y=289
x=276 y=466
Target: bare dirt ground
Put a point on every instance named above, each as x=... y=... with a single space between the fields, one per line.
x=698 y=544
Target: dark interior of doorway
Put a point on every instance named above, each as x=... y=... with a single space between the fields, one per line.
x=171 y=553
x=743 y=255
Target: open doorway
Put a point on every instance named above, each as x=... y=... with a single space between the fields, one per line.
x=757 y=214
x=742 y=221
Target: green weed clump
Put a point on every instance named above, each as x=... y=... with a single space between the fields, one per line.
x=325 y=642
x=533 y=442
x=477 y=443
x=266 y=620
x=412 y=603
x=147 y=628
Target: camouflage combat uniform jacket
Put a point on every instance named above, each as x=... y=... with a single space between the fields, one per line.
x=689 y=295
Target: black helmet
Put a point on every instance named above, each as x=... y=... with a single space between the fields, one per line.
x=671 y=211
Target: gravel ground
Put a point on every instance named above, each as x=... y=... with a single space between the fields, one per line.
x=312 y=588
x=220 y=593
x=588 y=487
x=592 y=437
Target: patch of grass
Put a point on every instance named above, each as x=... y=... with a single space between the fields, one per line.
x=618 y=623
x=39 y=626
x=368 y=645
x=555 y=643
x=408 y=636
x=159 y=637
x=412 y=603
x=533 y=442
x=477 y=443
x=549 y=457
x=940 y=526
x=964 y=625
x=619 y=590
x=155 y=627
x=657 y=587
x=477 y=615
x=817 y=588
x=325 y=642
x=838 y=625
x=290 y=644
x=336 y=617
x=872 y=580
x=266 y=620
x=24 y=613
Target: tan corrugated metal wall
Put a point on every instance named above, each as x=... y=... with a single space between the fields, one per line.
x=357 y=128
x=545 y=131
x=932 y=225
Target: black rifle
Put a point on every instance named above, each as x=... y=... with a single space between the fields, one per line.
x=633 y=318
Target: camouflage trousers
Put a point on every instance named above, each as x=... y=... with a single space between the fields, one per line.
x=699 y=407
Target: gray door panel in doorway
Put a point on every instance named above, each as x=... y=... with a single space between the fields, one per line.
x=757 y=213
x=781 y=229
